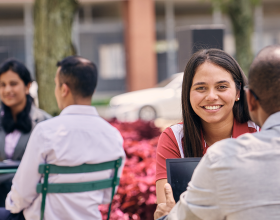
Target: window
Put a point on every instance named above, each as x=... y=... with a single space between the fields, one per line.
x=112 y=65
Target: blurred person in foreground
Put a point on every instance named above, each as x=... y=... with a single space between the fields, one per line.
x=77 y=136
x=240 y=178
x=18 y=117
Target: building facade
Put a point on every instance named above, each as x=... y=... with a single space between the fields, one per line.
x=133 y=42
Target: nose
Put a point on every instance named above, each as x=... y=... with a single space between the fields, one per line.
x=212 y=95
x=7 y=88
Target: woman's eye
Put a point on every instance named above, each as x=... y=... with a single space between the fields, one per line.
x=13 y=83
x=222 y=87
x=200 y=88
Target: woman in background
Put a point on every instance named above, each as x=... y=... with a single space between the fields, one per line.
x=18 y=116
x=214 y=107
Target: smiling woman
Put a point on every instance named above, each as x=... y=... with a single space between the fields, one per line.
x=18 y=116
x=212 y=97
x=213 y=106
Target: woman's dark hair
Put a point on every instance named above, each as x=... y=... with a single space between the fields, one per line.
x=191 y=121
x=23 y=122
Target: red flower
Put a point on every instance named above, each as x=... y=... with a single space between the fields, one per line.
x=136 y=197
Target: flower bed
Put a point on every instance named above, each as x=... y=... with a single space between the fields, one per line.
x=136 y=197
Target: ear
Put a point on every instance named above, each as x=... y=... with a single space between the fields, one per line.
x=237 y=97
x=252 y=102
x=27 y=87
x=64 y=90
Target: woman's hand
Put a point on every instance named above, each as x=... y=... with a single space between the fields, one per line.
x=165 y=208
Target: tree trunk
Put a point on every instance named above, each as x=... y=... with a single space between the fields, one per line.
x=52 y=42
x=241 y=16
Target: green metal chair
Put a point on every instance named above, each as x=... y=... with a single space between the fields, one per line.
x=9 y=166
x=3 y=171
x=46 y=187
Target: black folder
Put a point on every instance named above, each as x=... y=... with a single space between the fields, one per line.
x=179 y=174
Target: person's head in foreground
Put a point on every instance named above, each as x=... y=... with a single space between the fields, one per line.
x=239 y=178
x=75 y=81
x=212 y=96
x=15 y=81
x=263 y=92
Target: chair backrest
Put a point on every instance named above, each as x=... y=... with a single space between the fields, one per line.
x=9 y=166
x=3 y=171
x=46 y=187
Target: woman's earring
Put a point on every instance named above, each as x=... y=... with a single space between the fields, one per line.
x=237 y=99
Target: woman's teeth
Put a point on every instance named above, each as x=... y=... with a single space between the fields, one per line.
x=212 y=107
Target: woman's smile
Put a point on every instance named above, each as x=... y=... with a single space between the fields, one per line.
x=9 y=96
x=212 y=108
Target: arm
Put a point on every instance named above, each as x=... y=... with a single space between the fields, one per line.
x=167 y=148
x=164 y=208
x=185 y=212
x=23 y=190
x=160 y=191
x=201 y=200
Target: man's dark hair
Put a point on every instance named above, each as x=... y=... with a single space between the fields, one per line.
x=264 y=78
x=79 y=74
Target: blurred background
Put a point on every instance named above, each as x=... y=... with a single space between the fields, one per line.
x=137 y=44
x=141 y=48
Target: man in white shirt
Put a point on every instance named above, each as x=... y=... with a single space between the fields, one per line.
x=77 y=136
x=239 y=178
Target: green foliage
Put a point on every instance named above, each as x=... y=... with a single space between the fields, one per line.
x=240 y=13
x=222 y=4
x=101 y=102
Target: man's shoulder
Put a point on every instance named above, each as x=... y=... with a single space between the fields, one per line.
x=231 y=147
x=244 y=144
x=76 y=122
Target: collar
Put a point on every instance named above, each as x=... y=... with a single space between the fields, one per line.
x=272 y=121
x=34 y=113
x=239 y=128
x=79 y=110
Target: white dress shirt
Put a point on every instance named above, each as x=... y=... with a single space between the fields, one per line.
x=236 y=179
x=78 y=135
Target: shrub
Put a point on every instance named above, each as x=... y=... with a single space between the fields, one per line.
x=135 y=198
